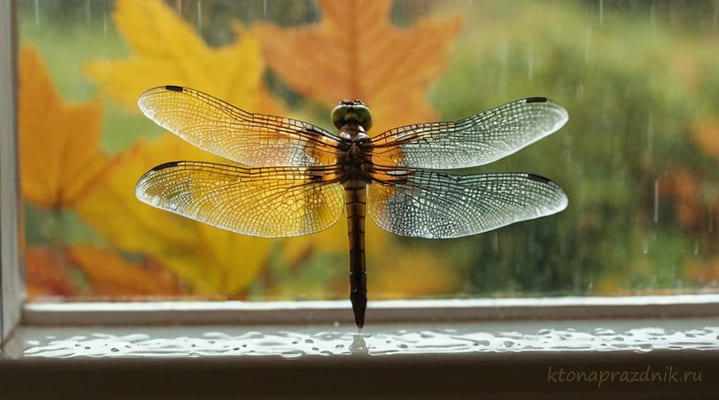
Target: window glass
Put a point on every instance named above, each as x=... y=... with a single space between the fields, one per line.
x=637 y=159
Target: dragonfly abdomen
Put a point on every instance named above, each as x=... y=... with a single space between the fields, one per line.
x=355 y=203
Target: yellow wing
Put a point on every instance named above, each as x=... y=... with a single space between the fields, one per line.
x=220 y=128
x=263 y=202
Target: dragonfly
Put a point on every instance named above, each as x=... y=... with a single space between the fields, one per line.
x=285 y=177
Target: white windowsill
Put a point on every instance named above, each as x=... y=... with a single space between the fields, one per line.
x=440 y=349
x=324 y=328
x=328 y=312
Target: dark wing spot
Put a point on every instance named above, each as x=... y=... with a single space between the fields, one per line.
x=536 y=99
x=539 y=178
x=174 y=88
x=165 y=165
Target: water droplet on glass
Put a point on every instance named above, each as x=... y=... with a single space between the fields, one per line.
x=530 y=64
x=652 y=16
x=587 y=44
x=199 y=15
x=656 y=200
x=37 y=13
x=650 y=135
x=88 y=12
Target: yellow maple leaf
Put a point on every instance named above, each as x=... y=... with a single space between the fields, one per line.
x=212 y=261
x=420 y=272
x=167 y=50
x=60 y=156
x=355 y=52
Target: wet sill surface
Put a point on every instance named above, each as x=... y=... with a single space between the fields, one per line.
x=379 y=340
x=508 y=359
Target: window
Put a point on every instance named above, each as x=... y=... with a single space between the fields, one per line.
x=637 y=160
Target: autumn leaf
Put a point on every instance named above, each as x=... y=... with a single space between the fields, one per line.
x=683 y=185
x=60 y=156
x=107 y=273
x=212 y=261
x=704 y=270
x=355 y=52
x=706 y=135
x=46 y=273
x=111 y=275
x=359 y=54
x=167 y=50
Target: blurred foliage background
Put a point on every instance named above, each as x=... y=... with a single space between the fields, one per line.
x=638 y=158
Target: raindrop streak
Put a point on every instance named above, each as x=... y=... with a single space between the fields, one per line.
x=650 y=135
x=652 y=16
x=104 y=19
x=37 y=13
x=178 y=5
x=264 y=9
x=199 y=15
x=711 y=220
x=656 y=201
x=568 y=148
x=587 y=43
x=88 y=12
x=601 y=12
x=504 y=59
x=530 y=64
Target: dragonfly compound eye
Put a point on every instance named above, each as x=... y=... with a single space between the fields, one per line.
x=351 y=111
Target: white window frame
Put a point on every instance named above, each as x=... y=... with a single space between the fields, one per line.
x=11 y=288
x=15 y=314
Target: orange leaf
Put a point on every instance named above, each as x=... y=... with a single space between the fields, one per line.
x=212 y=261
x=111 y=275
x=60 y=156
x=354 y=52
x=46 y=274
x=706 y=136
x=167 y=50
x=360 y=54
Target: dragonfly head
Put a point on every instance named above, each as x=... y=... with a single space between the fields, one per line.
x=352 y=111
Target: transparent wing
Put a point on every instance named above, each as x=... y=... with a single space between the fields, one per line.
x=433 y=204
x=264 y=202
x=472 y=141
x=230 y=132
